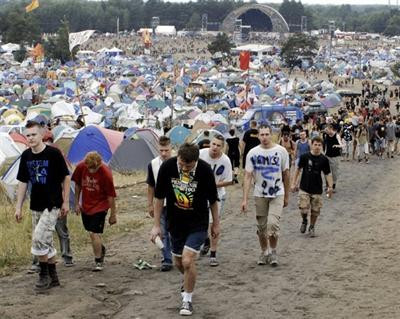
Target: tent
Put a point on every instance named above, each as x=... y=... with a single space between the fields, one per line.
x=8 y=148
x=94 y=138
x=178 y=134
x=136 y=151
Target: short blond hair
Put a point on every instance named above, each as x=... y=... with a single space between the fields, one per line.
x=93 y=160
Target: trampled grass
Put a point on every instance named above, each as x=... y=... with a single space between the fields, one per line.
x=15 y=238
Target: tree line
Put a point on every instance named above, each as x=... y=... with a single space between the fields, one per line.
x=18 y=26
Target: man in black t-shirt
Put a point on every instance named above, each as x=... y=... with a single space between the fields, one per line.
x=188 y=184
x=250 y=140
x=311 y=165
x=44 y=168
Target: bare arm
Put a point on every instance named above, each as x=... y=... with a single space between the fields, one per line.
x=113 y=215
x=77 y=196
x=150 y=199
x=21 y=192
x=248 y=177
x=224 y=183
x=215 y=224
x=156 y=231
x=66 y=190
x=296 y=179
x=286 y=185
x=329 y=181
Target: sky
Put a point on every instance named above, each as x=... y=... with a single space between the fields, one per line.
x=338 y=2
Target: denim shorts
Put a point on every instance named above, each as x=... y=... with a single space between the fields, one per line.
x=189 y=241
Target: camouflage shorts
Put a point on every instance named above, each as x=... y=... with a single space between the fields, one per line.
x=310 y=201
x=43 y=227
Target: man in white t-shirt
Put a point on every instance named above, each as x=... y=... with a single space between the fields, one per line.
x=268 y=164
x=222 y=168
x=165 y=150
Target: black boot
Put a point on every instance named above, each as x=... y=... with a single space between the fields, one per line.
x=53 y=276
x=44 y=279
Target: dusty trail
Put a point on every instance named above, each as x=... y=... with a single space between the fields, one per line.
x=350 y=270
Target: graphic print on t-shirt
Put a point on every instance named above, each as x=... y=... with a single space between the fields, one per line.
x=91 y=184
x=38 y=171
x=268 y=166
x=218 y=171
x=184 y=193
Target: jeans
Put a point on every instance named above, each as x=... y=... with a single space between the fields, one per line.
x=63 y=236
x=166 y=251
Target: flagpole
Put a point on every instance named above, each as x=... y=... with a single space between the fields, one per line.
x=76 y=81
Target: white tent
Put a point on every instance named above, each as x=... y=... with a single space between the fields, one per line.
x=166 y=30
x=62 y=108
x=10 y=47
x=8 y=148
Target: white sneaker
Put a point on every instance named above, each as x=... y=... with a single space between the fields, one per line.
x=98 y=266
x=186 y=309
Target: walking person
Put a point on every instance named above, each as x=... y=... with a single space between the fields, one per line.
x=165 y=149
x=332 y=147
x=390 y=137
x=310 y=167
x=250 y=140
x=302 y=146
x=362 y=142
x=268 y=164
x=45 y=169
x=188 y=185
x=234 y=153
x=222 y=169
x=93 y=179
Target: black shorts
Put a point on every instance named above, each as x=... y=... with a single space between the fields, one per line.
x=94 y=223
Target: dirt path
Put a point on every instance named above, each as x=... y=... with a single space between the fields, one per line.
x=350 y=270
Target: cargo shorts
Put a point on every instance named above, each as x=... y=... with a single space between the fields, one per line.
x=310 y=201
x=43 y=227
x=268 y=214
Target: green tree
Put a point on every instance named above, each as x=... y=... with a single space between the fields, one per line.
x=194 y=22
x=20 y=55
x=298 y=45
x=221 y=44
x=393 y=26
x=58 y=47
x=292 y=11
x=19 y=27
x=395 y=68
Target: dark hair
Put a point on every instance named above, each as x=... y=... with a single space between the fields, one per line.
x=265 y=126
x=317 y=139
x=253 y=123
x=188 y=152
x=220 y=138
x=232 y=131
x=31 y=124
x=164 y=140
x=206 y=133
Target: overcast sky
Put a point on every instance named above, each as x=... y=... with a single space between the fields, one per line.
x=393 y=2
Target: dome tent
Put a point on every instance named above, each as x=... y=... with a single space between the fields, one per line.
x=94 y=138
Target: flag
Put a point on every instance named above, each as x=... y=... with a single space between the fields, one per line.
x=34 y=5
x=244 y=59
x=79 y=38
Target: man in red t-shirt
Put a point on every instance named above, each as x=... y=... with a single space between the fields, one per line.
x=93 y=179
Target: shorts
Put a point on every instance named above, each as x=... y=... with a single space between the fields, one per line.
x=268 y=214
x=94 y=223
x=380 y=144
x=310 y=201
x=189 y=241
x=221 y=204
x=43 y=227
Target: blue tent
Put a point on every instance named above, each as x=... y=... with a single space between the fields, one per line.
x=178 y=134
x=94 y=138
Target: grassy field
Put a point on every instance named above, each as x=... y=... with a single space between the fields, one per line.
x=15 y=239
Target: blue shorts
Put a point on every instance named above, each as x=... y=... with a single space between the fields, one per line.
x=190 y=241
